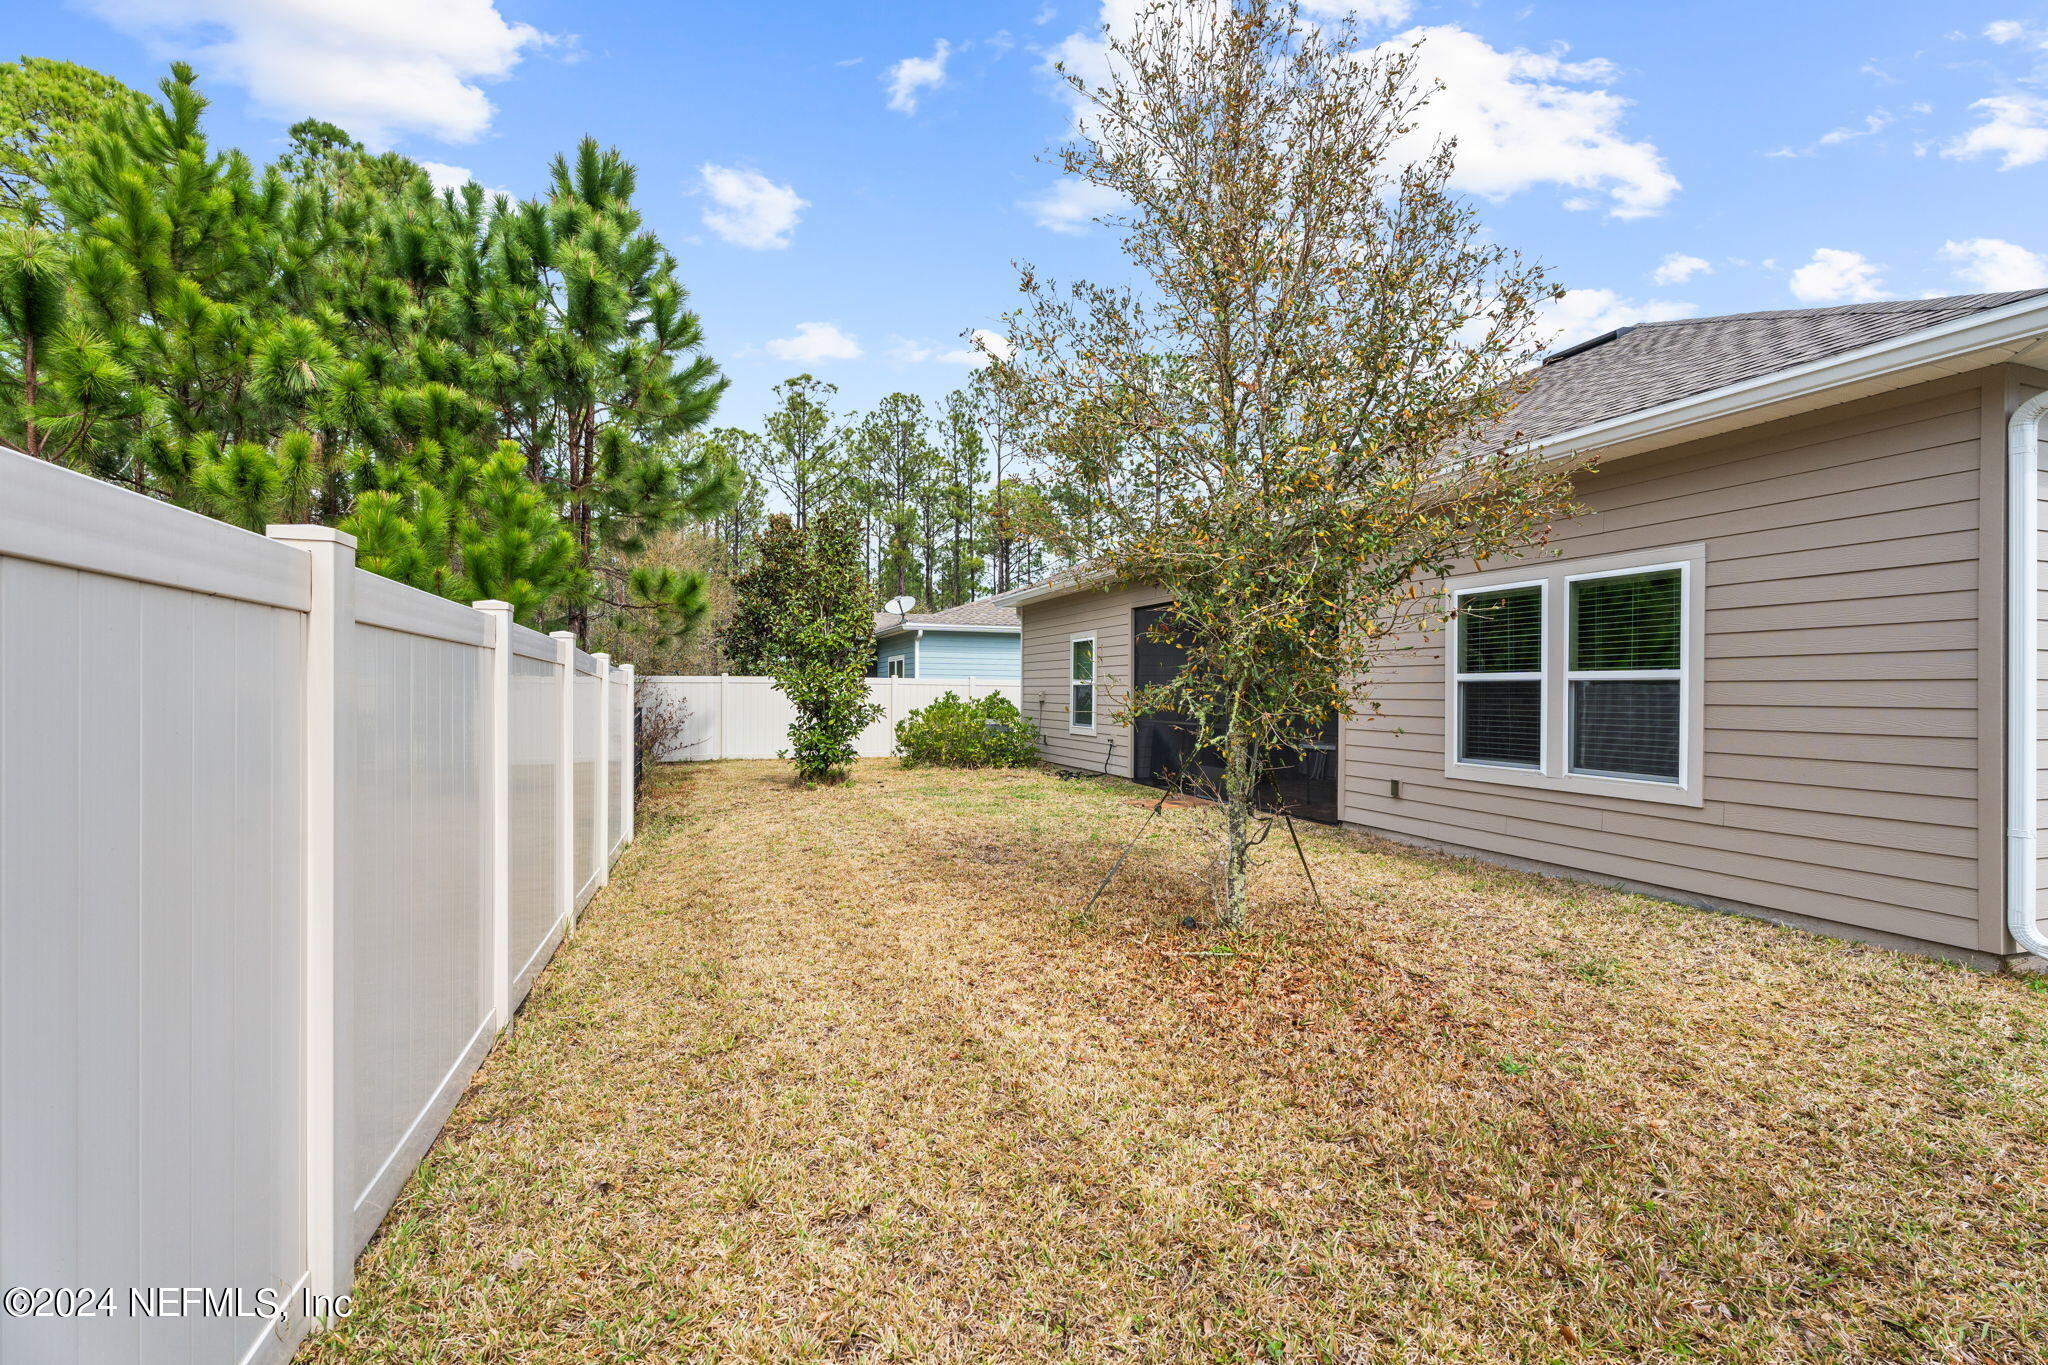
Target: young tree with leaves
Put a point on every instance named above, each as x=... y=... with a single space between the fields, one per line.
x=1346 y=343
x=805 y=617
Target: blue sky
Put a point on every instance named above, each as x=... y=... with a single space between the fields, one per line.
x=848 y=186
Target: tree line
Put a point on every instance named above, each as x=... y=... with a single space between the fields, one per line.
x=946 y=501
x=495 y=396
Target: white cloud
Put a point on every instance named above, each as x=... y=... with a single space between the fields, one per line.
x=2015 y=129
x=379 y=68
x=1678 y=267
x=1072 y=206
x=748 y=209
x=445 y=177
x=1874 y=122
x=2004 y=31
x=1526 y=118
x=1364 y=11
x=995 y=343
x=1521 y=118
x=992 y=344
x=1995 y=266
x=813 y=342
x=913 y=74
x=1585 y=313
x=905 y=351
x=1835 y=276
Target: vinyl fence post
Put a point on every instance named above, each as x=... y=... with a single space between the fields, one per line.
x=326 y=906
x=972 y=693
x=601 y=827
x=565 y=779
x=498 y=801
x=629 y=759
x=722 y=700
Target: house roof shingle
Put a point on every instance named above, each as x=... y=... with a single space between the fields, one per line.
x=1635 y=369
x=981 y=613
x=1660 y=362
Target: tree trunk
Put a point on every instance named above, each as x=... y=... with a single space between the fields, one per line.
x=28 y=375
x=1237 y=827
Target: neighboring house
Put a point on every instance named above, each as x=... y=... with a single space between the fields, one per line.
x=972 y=640
x=1786 y=663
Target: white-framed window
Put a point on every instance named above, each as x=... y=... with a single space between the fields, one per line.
x=1580 y=675
x=1081 y=684
x=896 y=666
x=1498 y=679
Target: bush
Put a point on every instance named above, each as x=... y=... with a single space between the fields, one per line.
x=955 y=733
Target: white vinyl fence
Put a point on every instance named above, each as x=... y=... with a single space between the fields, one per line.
x=282 y=847
x=738 y=716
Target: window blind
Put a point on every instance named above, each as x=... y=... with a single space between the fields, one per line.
x=1082 y=678
x=1501 y=721
x=1501 y=632
x=1627 y=624
x=1625 y=729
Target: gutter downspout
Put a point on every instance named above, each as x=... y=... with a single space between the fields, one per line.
x=2022 y=679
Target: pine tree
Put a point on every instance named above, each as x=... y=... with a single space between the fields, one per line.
x=802 y=446
x=332 y=339
x=962 y=466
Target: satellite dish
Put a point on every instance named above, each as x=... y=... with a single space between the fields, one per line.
x=899 y=605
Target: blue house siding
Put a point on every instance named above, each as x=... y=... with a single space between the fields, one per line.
x=896 y=647
x=952 y=654
x=969 y=654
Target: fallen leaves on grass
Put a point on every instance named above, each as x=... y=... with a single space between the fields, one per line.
x=840 y=1075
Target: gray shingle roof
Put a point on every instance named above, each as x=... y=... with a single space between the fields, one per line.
x=966 y=614
x=1660 y=362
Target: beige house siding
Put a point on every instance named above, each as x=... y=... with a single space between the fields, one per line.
x=2024 y=383
x=1049 y=628
x=1851 y=738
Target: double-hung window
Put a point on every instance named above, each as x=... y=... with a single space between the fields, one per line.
x=1500 y=675
x=1580 y=676
x=1081 y=678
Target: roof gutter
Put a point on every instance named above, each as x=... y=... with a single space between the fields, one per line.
x=2022 y=672
x=899 y=627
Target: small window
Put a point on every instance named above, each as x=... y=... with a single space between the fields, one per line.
x=896 y=667
x=1500 y=676
x=1081 y=677
x=1626 y=674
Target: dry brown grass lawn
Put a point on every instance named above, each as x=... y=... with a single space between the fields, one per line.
x=840 y=1075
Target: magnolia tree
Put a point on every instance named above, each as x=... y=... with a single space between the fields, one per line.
x=805 y=617
x=1294 y=418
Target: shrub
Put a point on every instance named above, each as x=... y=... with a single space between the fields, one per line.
x=956 y=733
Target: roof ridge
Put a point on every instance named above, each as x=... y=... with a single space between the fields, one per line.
x=1941 y=303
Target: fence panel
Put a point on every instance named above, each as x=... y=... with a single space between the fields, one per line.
x=276 y=838
x=419 y=914
x=738 y=716
x=537 y=916
x=619 y=718
x=587 y=742
x=150 y=947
